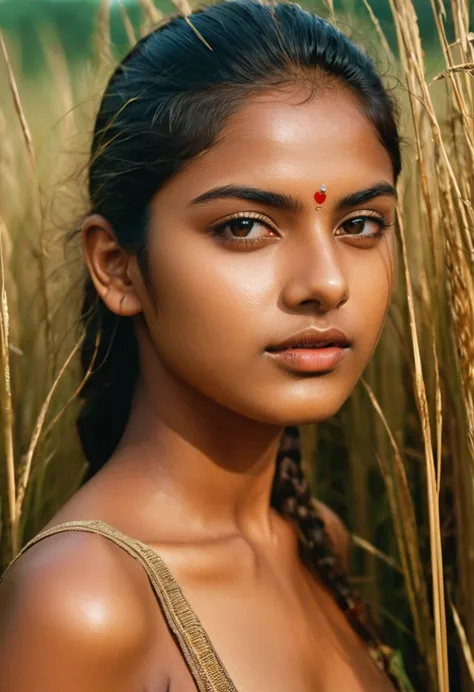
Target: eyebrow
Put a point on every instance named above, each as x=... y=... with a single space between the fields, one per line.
x=287 y=202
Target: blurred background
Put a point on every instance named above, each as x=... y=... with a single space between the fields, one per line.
x=74 y=21
x=397 y=462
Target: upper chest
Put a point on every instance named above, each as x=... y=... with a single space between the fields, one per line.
x=275 y=629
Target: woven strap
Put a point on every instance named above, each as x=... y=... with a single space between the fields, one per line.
x=203 y=662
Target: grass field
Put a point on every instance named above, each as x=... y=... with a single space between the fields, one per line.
x=397 y=462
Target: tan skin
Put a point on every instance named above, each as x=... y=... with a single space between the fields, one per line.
x=193 y=472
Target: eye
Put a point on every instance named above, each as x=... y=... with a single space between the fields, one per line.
x=368 y=225
x=244 y=228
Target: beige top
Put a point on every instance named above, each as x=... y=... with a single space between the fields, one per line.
x=203 y=662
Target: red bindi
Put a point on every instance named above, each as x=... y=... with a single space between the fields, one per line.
x=320 y=195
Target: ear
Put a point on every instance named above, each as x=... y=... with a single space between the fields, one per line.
x=109 y=266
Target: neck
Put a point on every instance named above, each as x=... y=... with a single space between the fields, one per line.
x=194 y=458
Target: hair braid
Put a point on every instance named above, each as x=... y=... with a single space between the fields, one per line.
x=291 y=496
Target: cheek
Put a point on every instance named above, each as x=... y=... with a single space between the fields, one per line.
x=372 y=286
x=218 y=301
x=209 y=310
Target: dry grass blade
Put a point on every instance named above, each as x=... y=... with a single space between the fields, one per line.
x=438 y=412
x=152 y=13
x=461 y=293
x=185 y=10
x=404 y=519
x=18 y=107
x=440 y=18
x=372 y=550
x=466 y=649
x=469 y=67
x=330 y=6
x=380 y=33
x=31 y=154
x=433 y=500
x=7 y=409
x=81 y=384
x=102 y=39
x=129 y=30
x=198 y=34
x=461 y=16
x=26 y=470
x=58 y=66
x=390 y=616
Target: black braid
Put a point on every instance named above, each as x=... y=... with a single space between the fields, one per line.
x=291 y=496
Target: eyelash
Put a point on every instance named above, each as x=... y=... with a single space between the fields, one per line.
x=218 y=229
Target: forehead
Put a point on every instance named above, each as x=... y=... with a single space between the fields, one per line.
x=284 y=138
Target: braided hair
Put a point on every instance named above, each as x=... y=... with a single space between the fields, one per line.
x=166 y=103
x=291 y=497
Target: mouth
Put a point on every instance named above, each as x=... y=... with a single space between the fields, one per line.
x=324 y=344
x=311 y=351
x=313 y=338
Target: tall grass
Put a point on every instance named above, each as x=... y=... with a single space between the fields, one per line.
x=398 y=460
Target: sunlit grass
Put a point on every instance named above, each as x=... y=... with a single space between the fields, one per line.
x=398 y=460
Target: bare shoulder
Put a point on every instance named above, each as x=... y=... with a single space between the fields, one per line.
x=337 y=531
x=74 y=615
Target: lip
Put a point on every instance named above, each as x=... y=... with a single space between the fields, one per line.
x=296 y=354
x=313 y=337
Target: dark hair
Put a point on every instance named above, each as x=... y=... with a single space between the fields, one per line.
x=165 y=103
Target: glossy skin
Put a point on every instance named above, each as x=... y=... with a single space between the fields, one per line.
x=193 y=472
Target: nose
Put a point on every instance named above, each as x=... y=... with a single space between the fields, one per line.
x=315 y=273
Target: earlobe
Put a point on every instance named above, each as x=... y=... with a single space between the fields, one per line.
x=124 y=304
x=107 y=263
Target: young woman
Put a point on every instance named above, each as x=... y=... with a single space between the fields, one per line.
x=240 y=250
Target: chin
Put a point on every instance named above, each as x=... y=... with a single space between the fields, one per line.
x=301 y=411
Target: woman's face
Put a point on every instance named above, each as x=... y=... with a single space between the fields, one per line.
x=216 y=303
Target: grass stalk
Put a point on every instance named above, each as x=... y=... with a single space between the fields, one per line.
x=26 y=469
x=406 y=533
x=11 y=515
x=129 y=30
x=151 y=16
x=102 y=38
x=34 y=172
x=433 y=504
x=466 y=649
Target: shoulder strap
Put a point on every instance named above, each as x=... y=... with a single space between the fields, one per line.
x=203 y=662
